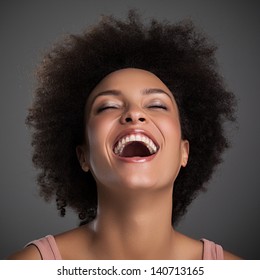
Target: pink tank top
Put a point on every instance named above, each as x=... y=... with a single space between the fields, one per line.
x=49 y=250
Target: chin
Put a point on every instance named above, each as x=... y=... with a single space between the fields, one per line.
x=137 y=182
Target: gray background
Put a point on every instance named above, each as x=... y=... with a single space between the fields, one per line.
x=228 y=213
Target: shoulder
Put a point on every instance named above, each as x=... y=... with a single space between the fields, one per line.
x=202 y=249
x=76 y=243
x=69 y=245
x=187 y=248
x=28 y=253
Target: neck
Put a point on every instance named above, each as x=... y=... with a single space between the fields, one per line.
x=136 y=225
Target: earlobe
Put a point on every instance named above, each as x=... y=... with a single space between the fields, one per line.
x=185 y=152
x=82 y=157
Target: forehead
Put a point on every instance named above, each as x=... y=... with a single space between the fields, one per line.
x=129 y=79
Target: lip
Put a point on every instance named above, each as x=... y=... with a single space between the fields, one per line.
x=135 y=159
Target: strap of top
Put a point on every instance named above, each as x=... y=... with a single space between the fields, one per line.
x=212 y=251
x=47 y=247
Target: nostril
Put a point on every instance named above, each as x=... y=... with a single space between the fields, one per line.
x=128 y=119
x=141 y=119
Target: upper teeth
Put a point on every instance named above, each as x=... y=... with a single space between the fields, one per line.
x=135 y=138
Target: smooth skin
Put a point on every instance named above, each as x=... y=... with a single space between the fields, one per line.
x=134 y=194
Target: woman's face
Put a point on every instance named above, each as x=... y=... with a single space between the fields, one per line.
x=133 y=133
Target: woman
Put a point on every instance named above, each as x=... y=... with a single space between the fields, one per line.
x=127 y=129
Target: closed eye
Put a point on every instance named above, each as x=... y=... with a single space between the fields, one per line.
x=158 y=106
x=107 y=107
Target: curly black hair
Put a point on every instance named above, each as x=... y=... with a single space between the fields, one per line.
x=180 y=54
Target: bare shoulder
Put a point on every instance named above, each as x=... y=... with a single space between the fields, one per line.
x=75 y=244
x=28 y=253
x=187 y=248
x=73 y=237
x=230 y=256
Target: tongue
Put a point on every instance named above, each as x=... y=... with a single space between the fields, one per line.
x=135 y=149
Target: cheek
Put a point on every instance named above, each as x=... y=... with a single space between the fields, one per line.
x=97 y=133
x=170 y=129
x=172 y=146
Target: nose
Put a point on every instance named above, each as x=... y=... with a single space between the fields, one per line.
x=133 y=115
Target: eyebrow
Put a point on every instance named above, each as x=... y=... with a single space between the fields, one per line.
x=156 y=91
x=145 y=91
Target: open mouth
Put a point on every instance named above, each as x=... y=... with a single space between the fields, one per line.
x=135 y=145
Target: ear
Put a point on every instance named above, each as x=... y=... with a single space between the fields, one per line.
x=185 y=152
x=82 y=157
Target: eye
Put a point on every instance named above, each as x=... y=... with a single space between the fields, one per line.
x=158 y=106
x=106 y=107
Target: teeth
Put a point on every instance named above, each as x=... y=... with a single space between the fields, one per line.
x=135 y=138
